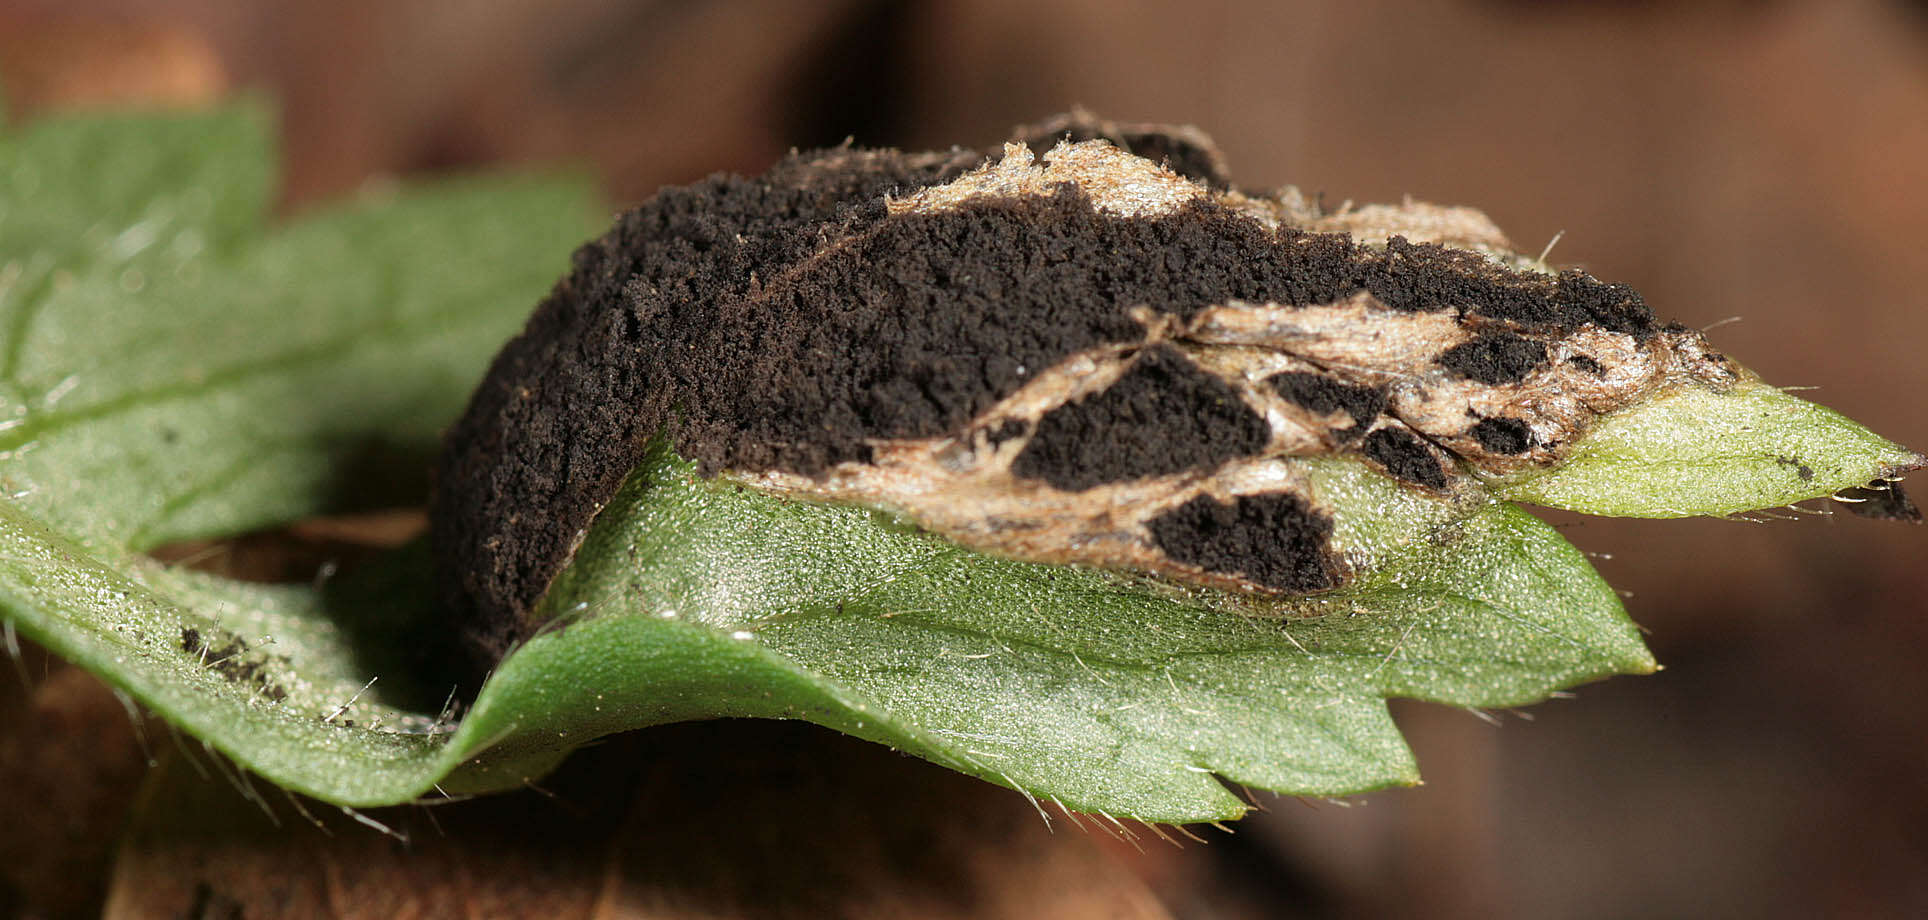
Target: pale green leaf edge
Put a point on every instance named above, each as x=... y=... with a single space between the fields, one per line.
x=1696 y=451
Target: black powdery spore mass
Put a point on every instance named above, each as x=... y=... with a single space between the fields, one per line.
x=918 y=324
x=1496 y=358
x=1418 y=277
x=567 y=407
x=1503 y=435
x=1405 y=457
x=785 y=322
x=911 y=326
x=1582 y=299
x=1005 y=431
x=1274 y=540
x=1164 y=415
x=1324 y=395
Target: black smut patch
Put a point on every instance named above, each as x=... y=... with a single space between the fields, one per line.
x=1275 y=540
x=1405 y=457
x=1005 y=431
x=1882 y=501
x=1419 y=277
x=1495 y=358
x=915 y=326
x=1588 y=364
x=1503 y=435
x=567 y=407
x=912 y=326
x=1164 y=415
x=786 y=321
x=1325 y=395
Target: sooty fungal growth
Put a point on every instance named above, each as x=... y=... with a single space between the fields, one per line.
x=1587 y=364
x=1495 y=358
x=1165 y=415
x=1503 y=435
x=1275 y=540
x=1005 y=431
x=1405 y=457
x=1325 y=395
x=1087 y=347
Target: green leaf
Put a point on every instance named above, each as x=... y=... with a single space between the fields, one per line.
x=94 y=196
x=692 y=598
x=1694 y=451
x=170 y=368
x=209 y=377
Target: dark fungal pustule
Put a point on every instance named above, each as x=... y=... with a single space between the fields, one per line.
x=1405 y=457
x=567 y=407
x=1325 y=395
x=1495 y=358
x=1005 y=431
x=1507 y=436
x=1587 y=364
x=1416 y=277
x=1272 y=539
x=1163 y=416
x=913 y=327
x=790 y=324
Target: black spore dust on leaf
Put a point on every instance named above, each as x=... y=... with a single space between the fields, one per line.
x=784 y=322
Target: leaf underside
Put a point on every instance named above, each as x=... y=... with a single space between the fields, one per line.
x=170 y=368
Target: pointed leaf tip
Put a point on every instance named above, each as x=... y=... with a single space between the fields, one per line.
x=1694 y=451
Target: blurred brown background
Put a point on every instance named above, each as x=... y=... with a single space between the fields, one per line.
x=1760 y=160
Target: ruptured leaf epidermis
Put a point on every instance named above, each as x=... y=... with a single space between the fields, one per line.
x=172 y=368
